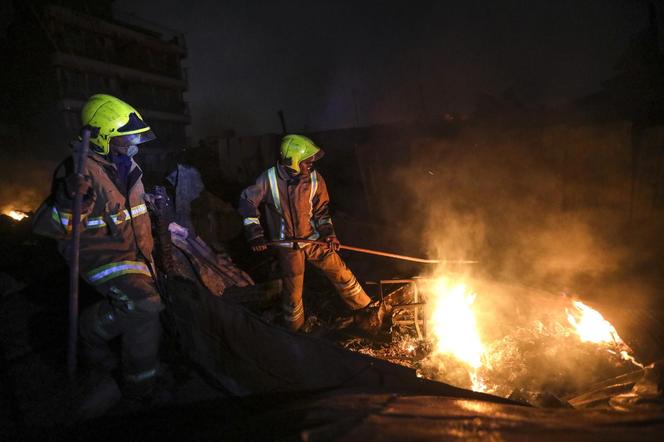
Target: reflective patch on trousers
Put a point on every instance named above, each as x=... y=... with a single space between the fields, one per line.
x=293 y=312
x=121 y=300
x=351 y=287
x=142 y=376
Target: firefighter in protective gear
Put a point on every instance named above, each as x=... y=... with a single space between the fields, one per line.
x=296 y=207
x=116 y=242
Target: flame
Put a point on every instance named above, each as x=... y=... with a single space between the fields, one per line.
x=16 y=214
x=454 y=324
x=460 y=356
x=455 y=328
x=591 y=326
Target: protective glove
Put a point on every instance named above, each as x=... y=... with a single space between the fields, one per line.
x=77 y=184
x=258 y=244
x=333 y=243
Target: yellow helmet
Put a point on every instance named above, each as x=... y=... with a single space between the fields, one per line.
x=297 y=148
x=113 y=119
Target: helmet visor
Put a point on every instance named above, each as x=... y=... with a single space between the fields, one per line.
x=134 y=124
x=316 y=156
x=132 y=139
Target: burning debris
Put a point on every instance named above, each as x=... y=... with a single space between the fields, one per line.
x=16 y=215
x=535 y=348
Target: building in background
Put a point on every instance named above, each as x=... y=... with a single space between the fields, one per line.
x=58 y=53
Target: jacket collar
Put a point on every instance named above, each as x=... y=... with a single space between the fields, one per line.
x=107 y=161
x=284 y=175
x=104 y=160
x=281 y=171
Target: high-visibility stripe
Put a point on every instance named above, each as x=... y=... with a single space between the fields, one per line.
x=97 y=222
x=312 y=194
x=274 y=188
x=141 y=209
x=272 y=177
x=250 y=220
x=293 y=312
x=63 y=218
x=56 y=215
x=115 y=269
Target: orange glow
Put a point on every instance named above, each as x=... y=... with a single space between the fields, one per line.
x=591 y=326
x=453 y=323
x=454 y=327
x=460 y=355
x=16 y=214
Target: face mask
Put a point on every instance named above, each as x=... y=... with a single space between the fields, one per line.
x=132 y=150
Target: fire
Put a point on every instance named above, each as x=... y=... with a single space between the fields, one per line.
x=454 y=326
x=591 y=326
x=512 y=351
x=16 y=214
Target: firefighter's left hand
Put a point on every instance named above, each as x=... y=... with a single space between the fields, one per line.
x=333 y=243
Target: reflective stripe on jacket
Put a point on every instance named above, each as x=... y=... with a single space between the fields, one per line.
x=116 y=235
x=294 y=208
x=64 y=217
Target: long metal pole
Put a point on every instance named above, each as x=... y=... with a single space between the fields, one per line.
x=81 y=155
x=379 y=253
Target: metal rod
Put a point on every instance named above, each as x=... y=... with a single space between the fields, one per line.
x=378 y=253
x=392 y=255
x=73 y=267
x=413 y=305
x=392 y=281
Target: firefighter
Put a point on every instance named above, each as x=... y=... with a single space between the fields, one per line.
x=296 y=207
x=116 y=242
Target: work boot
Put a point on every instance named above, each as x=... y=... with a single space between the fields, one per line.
x=94 y=394
x=370 y=318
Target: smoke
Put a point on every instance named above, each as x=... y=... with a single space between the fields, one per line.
x=26 y=182
x=546 y=211
x=547 y=207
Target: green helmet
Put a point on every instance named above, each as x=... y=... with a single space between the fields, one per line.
x=116 y=121
x=297 y=148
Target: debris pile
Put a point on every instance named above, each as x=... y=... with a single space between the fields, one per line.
x=544 y=349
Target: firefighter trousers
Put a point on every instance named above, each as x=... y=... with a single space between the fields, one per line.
x=130 y=309
x=292 y=263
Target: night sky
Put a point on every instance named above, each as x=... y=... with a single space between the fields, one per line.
x=247 y=59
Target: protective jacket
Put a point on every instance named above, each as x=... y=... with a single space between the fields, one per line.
x=295 y=207
x=116 y=236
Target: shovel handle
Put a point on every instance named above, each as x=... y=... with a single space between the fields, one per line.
x=378 y=253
